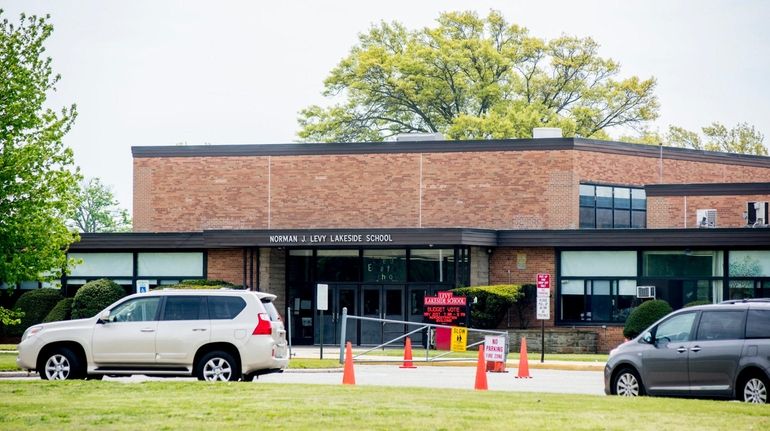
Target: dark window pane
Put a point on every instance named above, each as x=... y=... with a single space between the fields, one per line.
x=299 y=266
x=603 y=218
x=604 y=197
x=601 y=300
x=429 y=265
x=393 y=302
x=638 y=199
x=338 y=265
x=416 y=301
x=587 y=195
x=622 y=197
x=622 y=219
x=185 y=308
x=721 y=325
x=385 y=265
x=638 y=219
x=225 y=307
x=372 y=302
x=758 y=324
x=677 y=265
x=587 y=218
x=136 y=310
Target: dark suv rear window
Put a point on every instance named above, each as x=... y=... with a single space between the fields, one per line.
x=758 y=324
x=225 y=307
x=185 y=308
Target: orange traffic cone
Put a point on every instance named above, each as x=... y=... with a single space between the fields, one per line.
x=408 y=355
x=481 y=372
x=523 y=362
x=348 y=376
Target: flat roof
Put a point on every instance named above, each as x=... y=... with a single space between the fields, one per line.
x=400 y=147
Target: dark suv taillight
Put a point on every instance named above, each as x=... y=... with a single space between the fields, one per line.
x=263 y=325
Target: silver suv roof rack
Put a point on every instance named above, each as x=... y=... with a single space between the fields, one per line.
x=745 y=300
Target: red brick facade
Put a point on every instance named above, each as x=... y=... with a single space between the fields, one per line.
x=226 y=265
x=680 y=211
x=521 y=266
x=493 y=190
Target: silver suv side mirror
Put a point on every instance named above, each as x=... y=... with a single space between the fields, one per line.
x=647 y=338
x=105 y=316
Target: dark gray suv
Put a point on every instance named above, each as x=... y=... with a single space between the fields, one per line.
x=716 y=351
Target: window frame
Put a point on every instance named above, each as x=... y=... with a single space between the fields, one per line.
x=629 y=212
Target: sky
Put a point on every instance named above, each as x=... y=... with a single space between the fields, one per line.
x=163 y=72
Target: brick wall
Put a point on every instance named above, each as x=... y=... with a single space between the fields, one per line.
x=495 y=190
x=680 y=211
x=521 y=266
x=226 y=265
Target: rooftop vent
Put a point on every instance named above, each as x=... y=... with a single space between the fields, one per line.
x=546 y=132
x=419 y=137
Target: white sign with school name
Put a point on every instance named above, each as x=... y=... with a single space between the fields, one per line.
x=494 y=348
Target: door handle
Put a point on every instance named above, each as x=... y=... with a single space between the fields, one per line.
x=695 y=349
x=681 y=350
x=199 y=329
x=147 y=330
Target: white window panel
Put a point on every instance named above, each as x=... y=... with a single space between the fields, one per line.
x=598 y=263
x=103 y=265
x=750 y=263
x=170 y=264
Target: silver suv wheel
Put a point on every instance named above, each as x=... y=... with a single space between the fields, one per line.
x=57 y=367
x=755 y=391
x=627 y=384
x=218 y=366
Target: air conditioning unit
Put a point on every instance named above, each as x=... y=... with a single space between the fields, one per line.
x=645 y=291
x=756 y=213
x=706 y=218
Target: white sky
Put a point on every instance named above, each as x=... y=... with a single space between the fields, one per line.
x=225 y=72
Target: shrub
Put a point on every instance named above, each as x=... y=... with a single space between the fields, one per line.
x=201 y=284
x=61 y=311
x=35 y=304
x=698 y=302
x=492 y=302
x=94 y=297
x=645 y=315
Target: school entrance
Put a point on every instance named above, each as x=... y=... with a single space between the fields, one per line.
x=380 y=283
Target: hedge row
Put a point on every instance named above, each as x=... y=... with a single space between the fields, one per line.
x=489 y=303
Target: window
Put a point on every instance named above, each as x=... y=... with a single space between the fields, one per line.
x=758 y=324
x=136 y=310
x=225 y=307
x=385 y=265
x=338 y=265
x=432 y=265
x=677 y=328
x=721 y=325
x=185 y=308
x=610 y=207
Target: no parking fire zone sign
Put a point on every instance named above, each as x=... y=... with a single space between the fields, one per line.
x=543 y=296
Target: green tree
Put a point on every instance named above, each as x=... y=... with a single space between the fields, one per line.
x=38 y=182
x=472 y=77
x=743 y=138
x=98 y=210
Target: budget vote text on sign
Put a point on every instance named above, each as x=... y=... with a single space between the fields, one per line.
x=445 y=309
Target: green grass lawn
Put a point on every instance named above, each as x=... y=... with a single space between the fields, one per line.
x=8 y=361
x=4 y=347
x=199 y=405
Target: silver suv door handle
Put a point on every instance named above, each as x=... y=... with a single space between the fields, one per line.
x=198 y=329
x=695 y=349
x=147 y=330
x=681 y=350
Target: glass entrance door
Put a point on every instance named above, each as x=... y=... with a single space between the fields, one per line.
x=381 y=302
x=340 y=296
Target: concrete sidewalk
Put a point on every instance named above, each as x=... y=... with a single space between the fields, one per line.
x=333 y=352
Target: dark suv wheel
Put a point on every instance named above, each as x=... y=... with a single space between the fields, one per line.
x=61 y=364
x=218 y=366
x=627 y=383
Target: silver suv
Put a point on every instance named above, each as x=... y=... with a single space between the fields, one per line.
x=211 y=334
x=715 y=351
